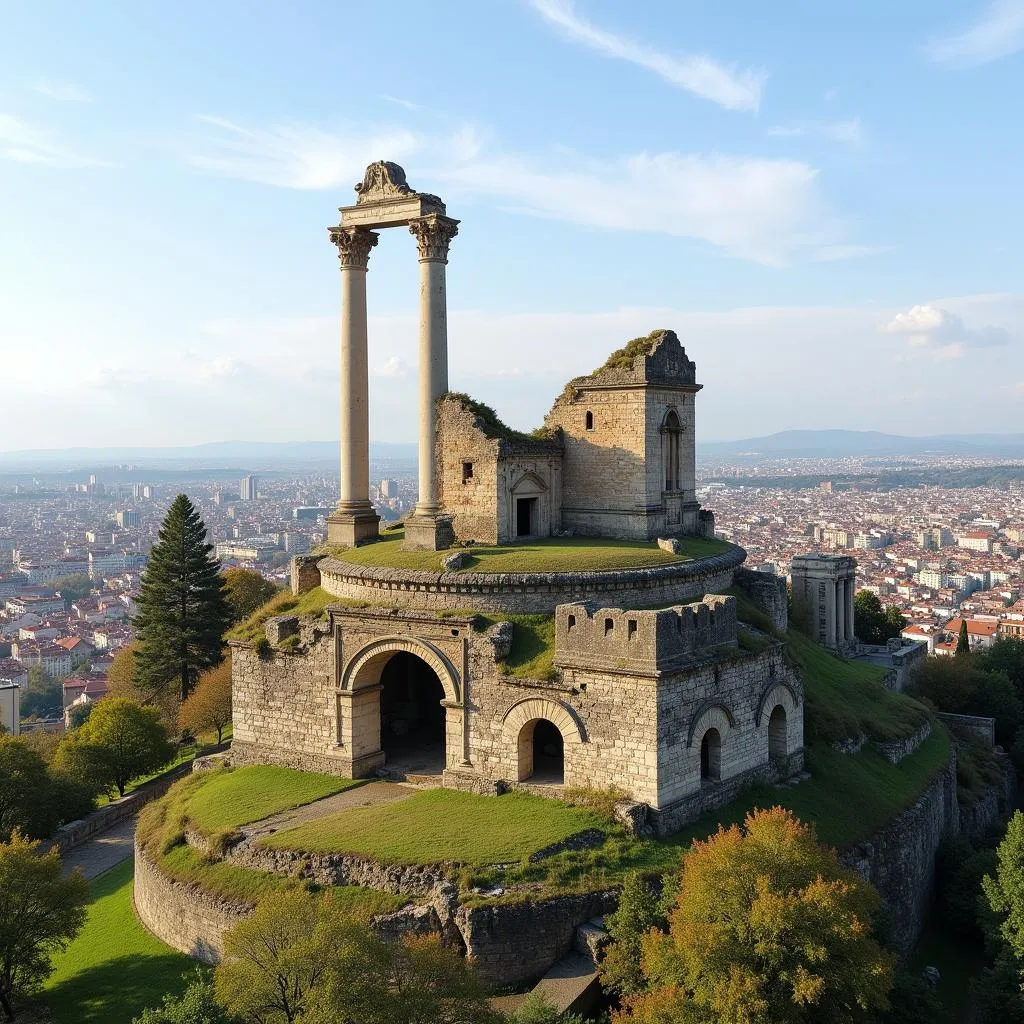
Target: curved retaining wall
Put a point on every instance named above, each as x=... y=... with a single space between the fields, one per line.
x=183 y=916
x=530 y=593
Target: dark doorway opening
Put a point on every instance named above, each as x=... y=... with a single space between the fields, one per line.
x=412 y=720
x=711 y=756
x=548 y=753
x=525 y=516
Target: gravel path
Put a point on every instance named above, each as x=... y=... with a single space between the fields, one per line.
x=370 y=795
x=103 y=851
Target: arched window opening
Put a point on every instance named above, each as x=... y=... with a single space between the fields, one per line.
x=541 y=753
x=590 y=421
x=777 y=748
x=670 y=450
x=711 y=756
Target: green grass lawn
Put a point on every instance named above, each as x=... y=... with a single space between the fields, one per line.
x=554 y=554
x=237 y=797
x=533 y=644
x=216 y=802
x=114 y=969
x=314 y=602
x=443 y=825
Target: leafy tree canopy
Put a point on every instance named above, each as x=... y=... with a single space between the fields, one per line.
x=40 y=912
x=872 y=623
x=768 y=925
x=182 y=609
x=197 y=1005
x=246 y=591
x=24 y=790
x=208 y=707
x=121 y=741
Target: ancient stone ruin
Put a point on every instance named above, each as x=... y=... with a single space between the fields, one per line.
x=653 y=689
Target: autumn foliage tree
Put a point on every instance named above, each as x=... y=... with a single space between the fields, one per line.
x=208 y=707
x=246 y=590
x=768 y=926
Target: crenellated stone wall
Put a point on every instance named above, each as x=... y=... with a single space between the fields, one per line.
x=768 y=593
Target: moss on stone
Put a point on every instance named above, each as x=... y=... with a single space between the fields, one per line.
x=491 y=423
x=622 y=358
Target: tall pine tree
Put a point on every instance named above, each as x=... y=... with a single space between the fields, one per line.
x=182 y=609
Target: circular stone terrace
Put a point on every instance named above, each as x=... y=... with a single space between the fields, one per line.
x=531 y=577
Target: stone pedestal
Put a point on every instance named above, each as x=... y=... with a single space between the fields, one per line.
x=428 y=533
x=349 y=529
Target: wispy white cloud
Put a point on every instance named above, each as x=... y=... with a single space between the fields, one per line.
x=726 y=85
x=760 y=209
x=219 y=367
x=299 y=156
x=392 y=367
x=850 y=132
x=24 y=144
x=398 y=101
x=997 y=33
x=943 y=334
x=65 y=92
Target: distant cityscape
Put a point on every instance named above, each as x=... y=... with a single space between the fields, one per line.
x=72 y=554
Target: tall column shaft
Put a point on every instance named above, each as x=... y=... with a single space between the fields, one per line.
x=354 y=520
x=355 y=392
x=433 y=236
x=433 y=376
x=851 y=593
x=830 y=614
x=840 y=599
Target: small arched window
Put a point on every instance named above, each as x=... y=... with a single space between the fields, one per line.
x=670 y=431
x=590 y=420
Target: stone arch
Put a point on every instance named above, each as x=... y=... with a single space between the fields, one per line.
x=529 y=708
x=711 y=714
x=711 y=755
x=521 y=720
x=774 y=695
x=366 y=667
x=671 y=428
x=529 y=481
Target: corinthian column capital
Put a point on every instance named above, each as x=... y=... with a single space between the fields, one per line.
x=354 y=245
x=433 y=235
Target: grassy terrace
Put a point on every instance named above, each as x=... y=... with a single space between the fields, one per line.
x=553 y=554
x=236 y=796
x=440 y=825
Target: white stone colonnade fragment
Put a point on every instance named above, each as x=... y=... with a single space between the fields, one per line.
x=386 y=200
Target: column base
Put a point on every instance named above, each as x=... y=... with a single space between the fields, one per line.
x=428 y=533
x=350 y=528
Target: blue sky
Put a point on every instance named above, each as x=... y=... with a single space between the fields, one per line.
x=823 y=200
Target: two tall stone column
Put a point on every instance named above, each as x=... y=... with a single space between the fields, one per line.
x=354 y=520
x=428 y=528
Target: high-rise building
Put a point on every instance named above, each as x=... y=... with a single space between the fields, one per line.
x=389 y=488
x=248 y=488
x=128 y=518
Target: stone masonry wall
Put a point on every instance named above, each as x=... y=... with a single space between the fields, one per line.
x=768 y=593
x=183 y=916
x=474 y=502
x=604 y=485
x=899 y=859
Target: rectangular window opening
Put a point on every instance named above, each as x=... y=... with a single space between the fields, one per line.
x=467 y=472
x=631 y=630
x=609 y=625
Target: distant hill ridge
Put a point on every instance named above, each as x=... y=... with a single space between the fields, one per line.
x=785 y=444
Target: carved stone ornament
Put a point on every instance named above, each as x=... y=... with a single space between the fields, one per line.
x=383 y=180
x=433 y=235
x=354 y=245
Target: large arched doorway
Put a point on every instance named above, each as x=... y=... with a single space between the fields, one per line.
x=711 y=756
x=541 y=753
x=777 y=739
x=412 y=718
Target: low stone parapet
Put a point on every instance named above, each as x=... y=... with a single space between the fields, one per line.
x=531 y=592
